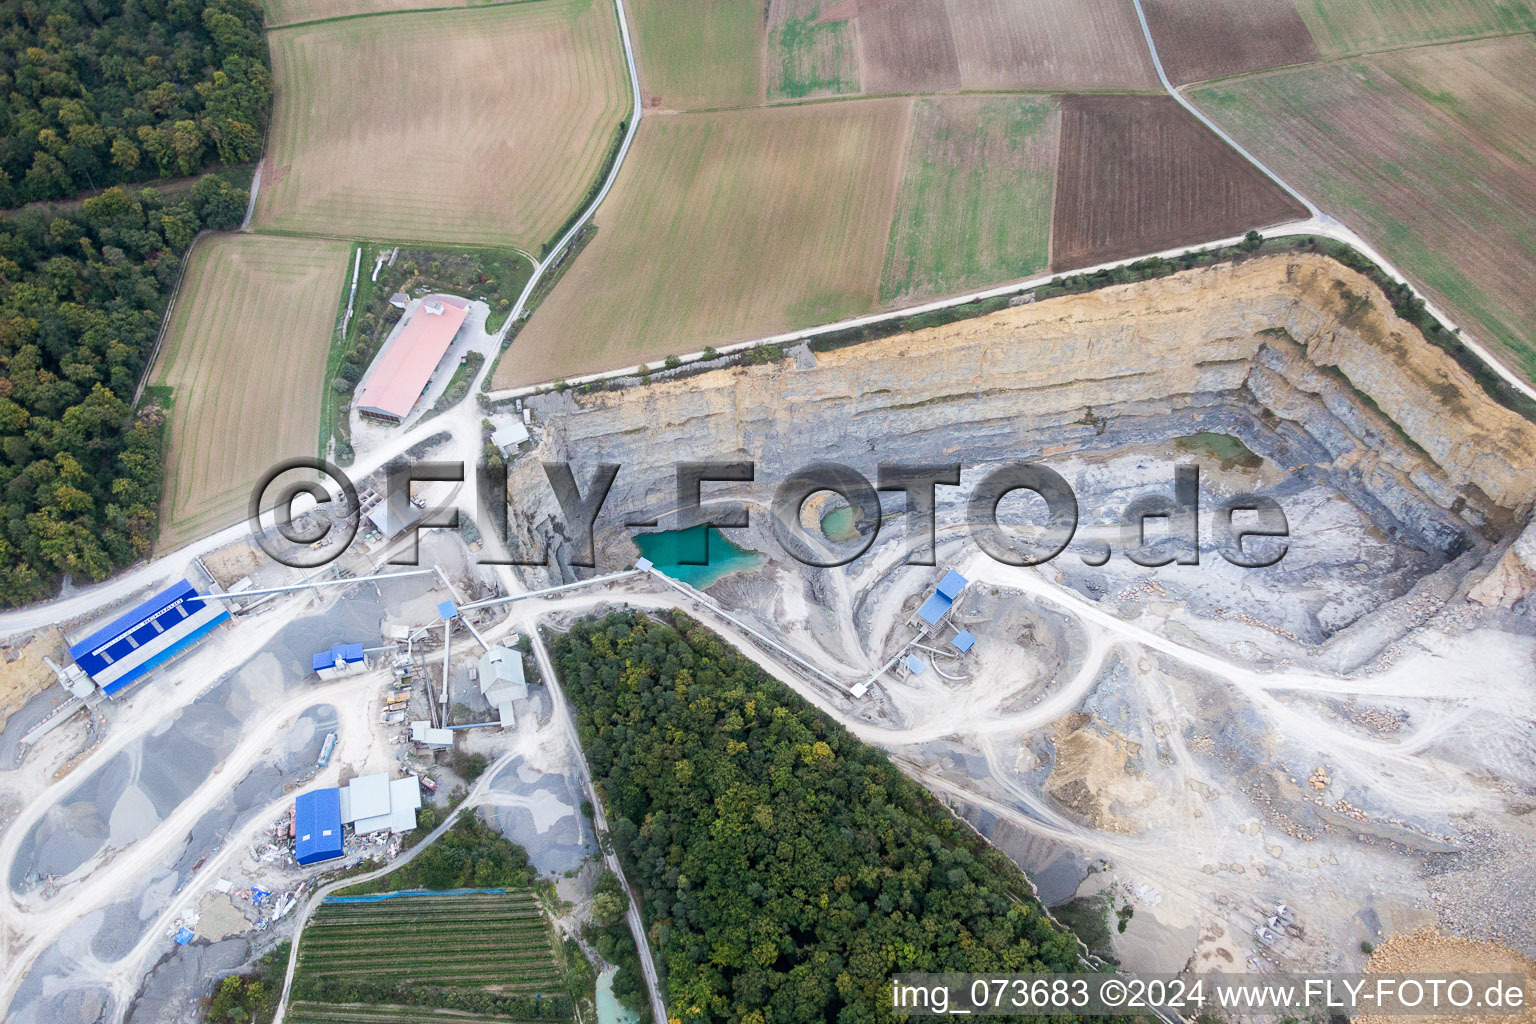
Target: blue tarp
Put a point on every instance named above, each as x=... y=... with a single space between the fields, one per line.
x=317 y=826
x=377 y=896
x=184 y=936
x=964 y=640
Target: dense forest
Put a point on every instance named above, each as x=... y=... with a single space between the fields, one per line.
x=102 y=92
x=786 y=869
x=82 y=291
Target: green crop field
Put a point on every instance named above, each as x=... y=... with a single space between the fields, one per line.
x=975 y=201
x=725 y=226
x=699 y=53
x=1355 y=26
x=244 y=357
x=482 y=126
x=808 y=56
x=1445 y=187
x=372 y=963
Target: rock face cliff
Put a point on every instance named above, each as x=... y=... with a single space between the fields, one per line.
x=1300 y=356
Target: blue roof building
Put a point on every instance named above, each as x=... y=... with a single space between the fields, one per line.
x=341 y=660
x=951 y=585
x=935 y=608
x=134 y=643
x=917 y=666
x=943 y=598
x=964 y=641
x=448 y=610
x=317 y=826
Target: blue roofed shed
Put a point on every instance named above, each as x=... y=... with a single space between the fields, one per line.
x=951 y=585
x=448 y=609
x=964 y=640
x=317 y=826
x=341 y=660
x=917 y=666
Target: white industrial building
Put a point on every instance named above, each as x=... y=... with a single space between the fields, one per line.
x=502 y=682
x=373 y=803
x=423 y=733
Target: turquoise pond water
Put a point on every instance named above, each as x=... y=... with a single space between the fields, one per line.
x=669 y=548
x=608 y=1009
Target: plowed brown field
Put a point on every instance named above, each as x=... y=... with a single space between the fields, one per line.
x=1139 y=174
x=1199 y=40
x=923 y=46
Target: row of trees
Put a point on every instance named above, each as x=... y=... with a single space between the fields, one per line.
x=103 y=93
x=786 y=869
x=82 y=291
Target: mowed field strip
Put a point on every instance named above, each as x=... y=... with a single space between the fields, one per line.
x=724 y=227
x=975 y=201
x=244 y=354
x=1429 y=154
x=1140 y=174
x=292 y=12
x=482 y=126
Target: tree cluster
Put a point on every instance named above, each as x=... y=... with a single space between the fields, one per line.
x=239 y=998
x=470 y=855
x=785 y=869
x=82 y=291
x=102 y=92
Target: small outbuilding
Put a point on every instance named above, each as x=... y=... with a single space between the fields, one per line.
x=964 y=641
x=423 y=733
x=917 y=666
x=509 y=438
x=317 y=826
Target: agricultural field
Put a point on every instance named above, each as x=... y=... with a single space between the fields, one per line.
x=975 y=201
x=293 y=12
x=1429 y=156
x=497 y=943
x=1198 y=40
x=490 y=135
x=920 y=46
x=696 y=54
x=1343 y=27
x=725 y=226
x=1139 y=174
x=249 y=336
x=809 y=54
